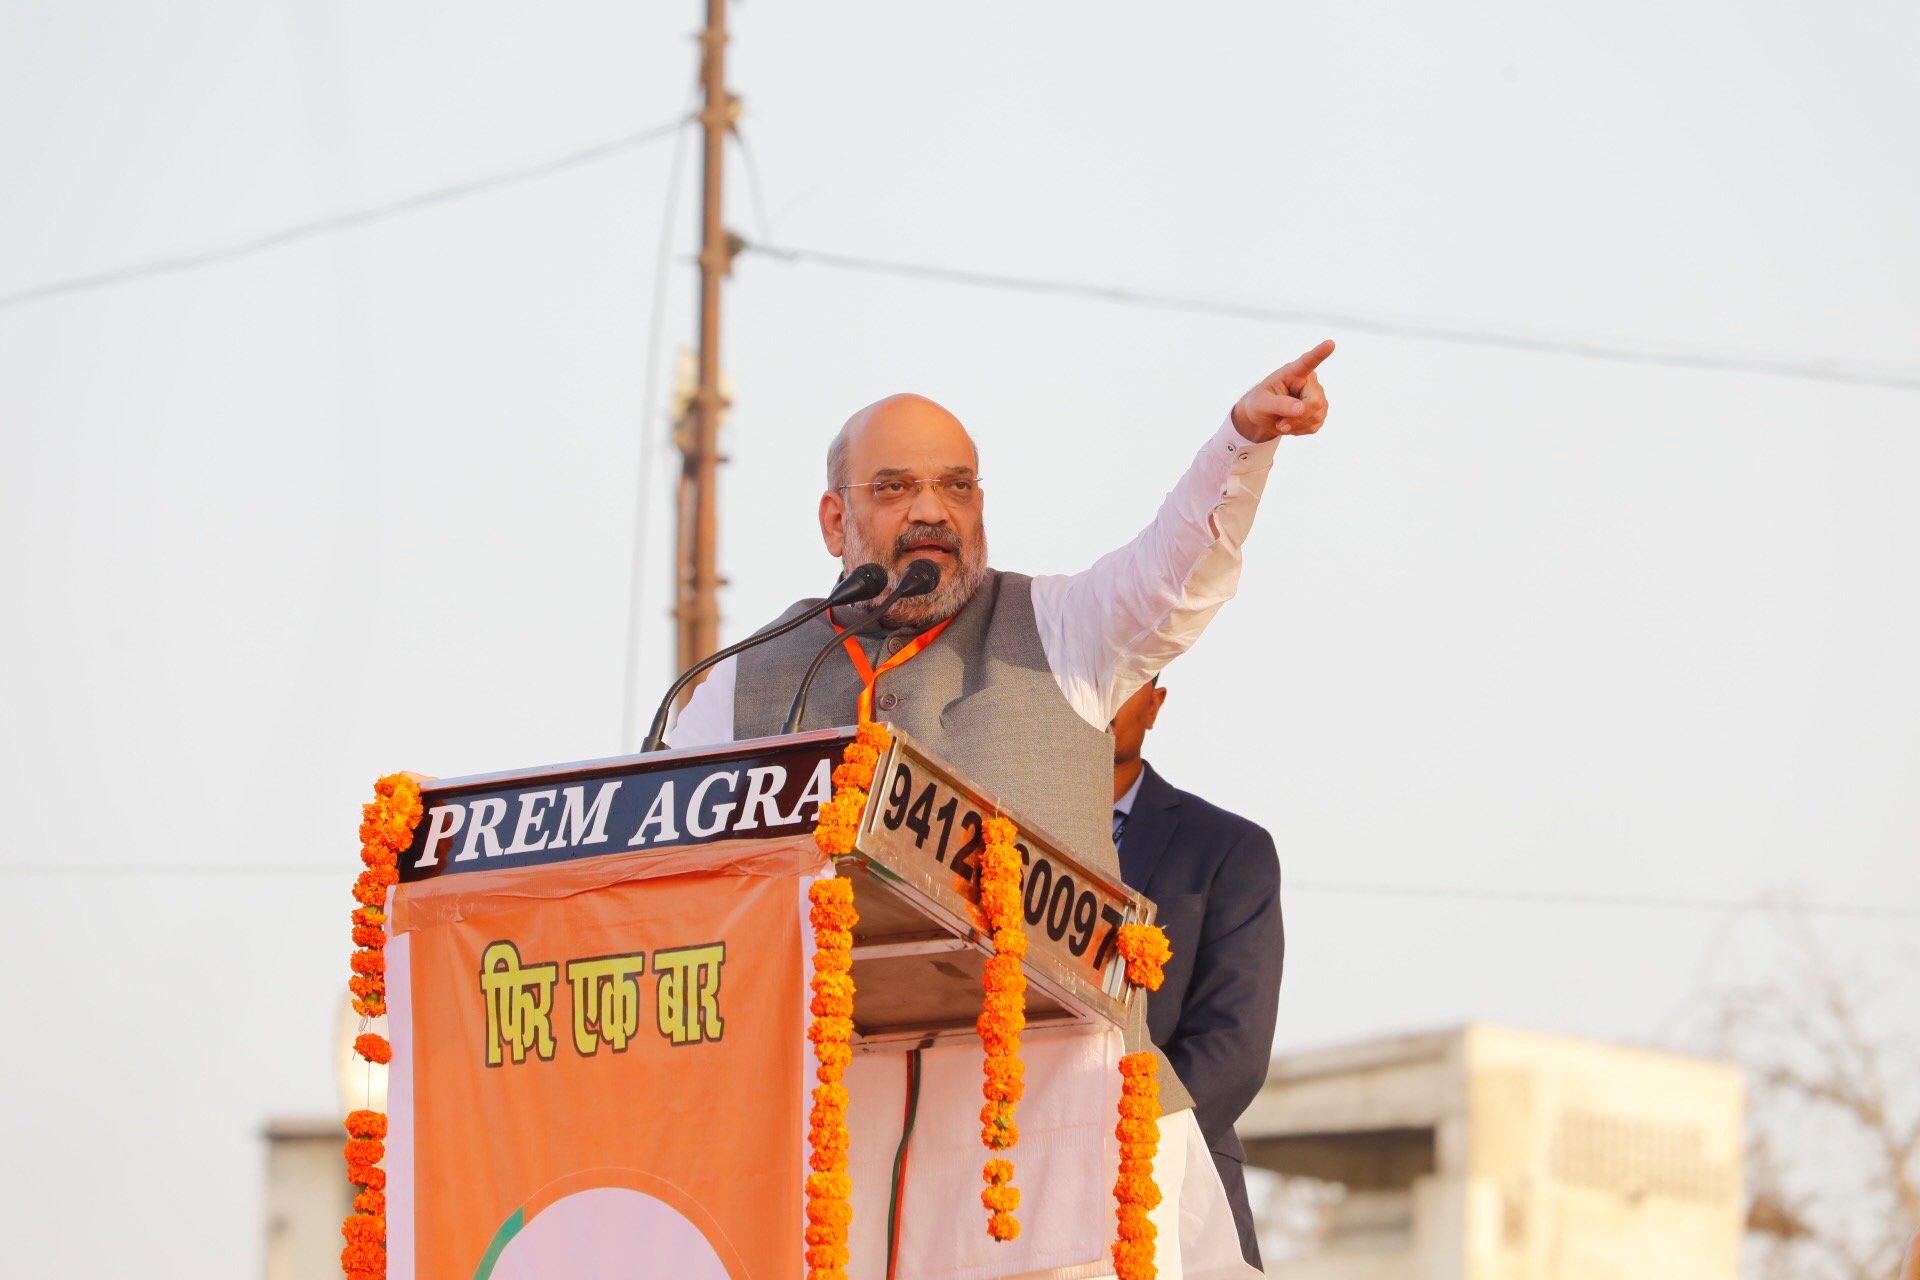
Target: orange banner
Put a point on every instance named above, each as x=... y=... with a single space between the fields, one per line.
x=606 y=1066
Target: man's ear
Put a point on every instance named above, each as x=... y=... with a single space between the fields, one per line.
x=1153 y=704
x=833 y=523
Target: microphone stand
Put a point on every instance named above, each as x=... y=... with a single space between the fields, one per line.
x=919 y=578
x=863 y=583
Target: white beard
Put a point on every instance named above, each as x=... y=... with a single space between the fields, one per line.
x=957 y=584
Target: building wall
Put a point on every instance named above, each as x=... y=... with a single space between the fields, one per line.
x=1598 y=1162
x=1489 y=1153
x=308 y=1197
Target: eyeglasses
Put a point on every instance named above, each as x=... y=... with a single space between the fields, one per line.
x=958 y=492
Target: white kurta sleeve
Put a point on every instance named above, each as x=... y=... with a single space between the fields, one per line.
x=1109 y=628
x=707 y=719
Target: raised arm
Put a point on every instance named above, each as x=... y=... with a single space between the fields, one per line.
x=1108 y=628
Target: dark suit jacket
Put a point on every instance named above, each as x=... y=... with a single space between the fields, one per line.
x=1216 y=880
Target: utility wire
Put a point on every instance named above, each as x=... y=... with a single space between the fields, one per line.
x=1552 y=898
x=167 y=871
x=343 y=221
x=1460 y=893
x=754 y=190
x=650 y=415
x=1609 y=349
x=1617 y=350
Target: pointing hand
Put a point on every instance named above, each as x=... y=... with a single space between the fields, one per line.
x=1287 y=402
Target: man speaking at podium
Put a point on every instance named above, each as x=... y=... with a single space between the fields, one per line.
x=1014 y=679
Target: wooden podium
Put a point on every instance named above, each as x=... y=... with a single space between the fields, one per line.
x=596 y=963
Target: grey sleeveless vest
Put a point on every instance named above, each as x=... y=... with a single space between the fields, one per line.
x=983 y=697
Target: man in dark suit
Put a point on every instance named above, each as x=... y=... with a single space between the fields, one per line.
x=1216 y=880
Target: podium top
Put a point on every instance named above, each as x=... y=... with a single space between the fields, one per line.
x=755 y=789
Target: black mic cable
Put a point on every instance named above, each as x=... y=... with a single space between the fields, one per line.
x=863 y=583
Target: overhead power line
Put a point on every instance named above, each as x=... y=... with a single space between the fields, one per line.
x=1619 y=350
x=343 y=221
x=1551 y=898
x=168 y=871
x=1461 y=893
x=651 y=416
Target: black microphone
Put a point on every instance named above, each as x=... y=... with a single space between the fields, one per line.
x=863 y=583
x=919 y=578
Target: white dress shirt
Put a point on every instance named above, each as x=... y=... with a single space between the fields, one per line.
x=1109 y=628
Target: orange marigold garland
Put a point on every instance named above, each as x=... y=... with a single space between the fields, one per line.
x=1145 y=949
x=1003 y=1015
x=839 y=819
x=1135 y=1193
x=366 y=1231
x=829 y=1187
x=832 y=914
x=386 y=829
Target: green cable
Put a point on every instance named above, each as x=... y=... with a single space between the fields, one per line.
x=900 y=1158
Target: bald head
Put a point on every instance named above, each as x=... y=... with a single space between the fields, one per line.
x=913 y=423
x=903 y=484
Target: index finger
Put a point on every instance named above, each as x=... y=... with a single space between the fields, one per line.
x=1307 y=363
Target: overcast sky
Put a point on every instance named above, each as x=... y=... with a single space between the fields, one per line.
x=1512 y=622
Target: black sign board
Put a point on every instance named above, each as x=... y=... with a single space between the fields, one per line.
x=663 y=800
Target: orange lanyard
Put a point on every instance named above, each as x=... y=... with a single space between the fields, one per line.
x=868 y=673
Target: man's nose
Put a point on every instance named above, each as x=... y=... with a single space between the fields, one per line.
x=927 y=507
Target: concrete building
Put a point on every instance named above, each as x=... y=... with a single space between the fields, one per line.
x=1486 y=1153
x=307 y=1193
x=308 y=1197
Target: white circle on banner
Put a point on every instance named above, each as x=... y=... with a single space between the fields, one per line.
x=609 y=1233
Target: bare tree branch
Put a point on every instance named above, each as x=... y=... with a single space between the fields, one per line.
x=1833 y=1158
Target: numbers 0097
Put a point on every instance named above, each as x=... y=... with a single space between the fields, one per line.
x=1068 y=913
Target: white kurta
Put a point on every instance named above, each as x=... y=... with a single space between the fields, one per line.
x=1064 y=1165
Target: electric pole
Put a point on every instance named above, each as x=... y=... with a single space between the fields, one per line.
x=697 y=578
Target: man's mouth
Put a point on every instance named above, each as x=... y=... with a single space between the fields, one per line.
x=938 y=552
